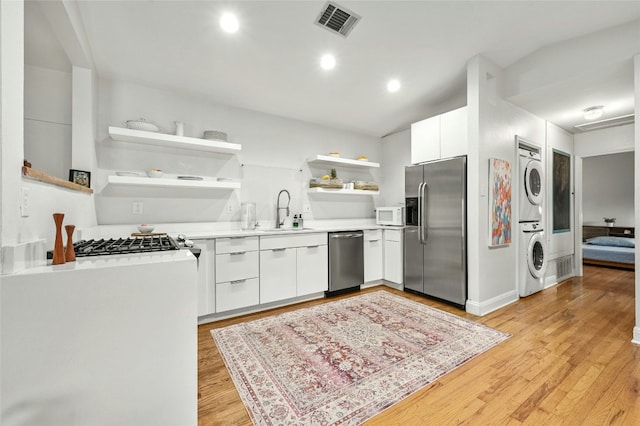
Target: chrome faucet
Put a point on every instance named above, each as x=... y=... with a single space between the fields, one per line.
x=279 y=222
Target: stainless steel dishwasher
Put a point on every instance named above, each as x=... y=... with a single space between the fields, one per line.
x=346 y=261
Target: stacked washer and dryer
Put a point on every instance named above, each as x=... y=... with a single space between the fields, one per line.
x=531 y=248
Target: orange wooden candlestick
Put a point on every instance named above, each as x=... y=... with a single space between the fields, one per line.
x=69 y=252
x=58 y=247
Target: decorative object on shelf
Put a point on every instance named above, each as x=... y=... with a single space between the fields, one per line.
x=145 y=228
x=80 y=177
x=499 y=202
x=334 y=154
x=610 y=221
x=142 y=124
x=190 y=178
x=179 y=128
x=130 y=174
x=69 y=251
x=364 y=185
x=362 y=158
x=58 y=246
x=25 y=163
x=155 y=173
x=326 y=183
x=214 y=135
x=334 y=174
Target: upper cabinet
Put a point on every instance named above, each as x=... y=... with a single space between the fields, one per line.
x=442 y=136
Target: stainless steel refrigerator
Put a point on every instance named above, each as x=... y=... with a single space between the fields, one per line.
x=435 y=246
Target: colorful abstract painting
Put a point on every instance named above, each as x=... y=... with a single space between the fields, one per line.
x=499 y=202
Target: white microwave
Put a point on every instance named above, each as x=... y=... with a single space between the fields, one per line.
x=392 y=216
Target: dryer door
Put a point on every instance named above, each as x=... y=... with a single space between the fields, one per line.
x=533 y=182
x=535 y=255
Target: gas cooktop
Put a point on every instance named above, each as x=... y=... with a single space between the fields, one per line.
x=102 y=247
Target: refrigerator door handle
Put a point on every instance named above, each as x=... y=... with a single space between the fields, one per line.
x=424 y=229
x=420 y=213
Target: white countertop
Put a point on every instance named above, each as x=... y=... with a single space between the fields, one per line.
x=205 y=230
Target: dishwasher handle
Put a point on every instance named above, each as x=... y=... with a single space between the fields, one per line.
x=354 y=235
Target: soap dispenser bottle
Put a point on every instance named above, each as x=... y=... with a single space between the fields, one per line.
x=295 y=220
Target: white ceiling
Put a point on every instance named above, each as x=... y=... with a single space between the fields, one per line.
x=272 y=64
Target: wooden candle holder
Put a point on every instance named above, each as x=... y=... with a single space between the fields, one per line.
x=69 y=252
x=58 y=246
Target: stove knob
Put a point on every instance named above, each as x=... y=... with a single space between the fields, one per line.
x=181 y=238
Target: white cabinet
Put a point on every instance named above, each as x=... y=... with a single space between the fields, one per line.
x=373 y=255
x=236 y=271
x=393 y=265
x=312 y=269
x=293 y=265
x=442 y=136
x=206 y=277
x=277 y=274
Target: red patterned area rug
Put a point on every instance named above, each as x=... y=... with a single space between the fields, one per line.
x=343 y=362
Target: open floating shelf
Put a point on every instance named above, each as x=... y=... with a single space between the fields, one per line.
x=341 y=191
x=343 y=162
x=173 y=141
x=171 y=183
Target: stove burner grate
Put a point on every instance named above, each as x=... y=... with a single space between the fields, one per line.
x=102 y=247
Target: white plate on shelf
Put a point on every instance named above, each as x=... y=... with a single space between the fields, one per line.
x=142 y=124
x=190 y=178
x=130 y=174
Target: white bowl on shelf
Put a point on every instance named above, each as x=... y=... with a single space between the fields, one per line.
x=145 y=229
x=142 y=124
x=155 y=173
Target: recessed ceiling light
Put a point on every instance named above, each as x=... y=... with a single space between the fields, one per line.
x=229 y=22
x=593 y=113
x=393 y=85
x=328 y=62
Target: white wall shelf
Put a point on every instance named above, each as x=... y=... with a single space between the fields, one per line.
x=170 y=183
x=342 y=162
x=173 y=141
x=341 y=191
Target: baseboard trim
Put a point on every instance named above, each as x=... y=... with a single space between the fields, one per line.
x=636 y=335
x=493 y=304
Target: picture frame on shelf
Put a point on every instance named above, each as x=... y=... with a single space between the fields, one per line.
x=80 y=177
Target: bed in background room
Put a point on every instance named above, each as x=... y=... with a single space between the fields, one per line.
x=612 y=247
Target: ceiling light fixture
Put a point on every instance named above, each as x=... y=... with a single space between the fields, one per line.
x=593 y=113
x=328 y=62
x=393 y=85
x=229 y=22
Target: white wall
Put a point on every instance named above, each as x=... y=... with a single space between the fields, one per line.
x=47 y=120
x=273 y=157
x=605 y=141
x=636 y=62
x=493 y=125
x=607 y=189
x=396 y=155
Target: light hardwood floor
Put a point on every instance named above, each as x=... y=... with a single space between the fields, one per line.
x=570 y=360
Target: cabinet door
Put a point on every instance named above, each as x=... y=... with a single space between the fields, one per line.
x=393 y=256
x=425 y=140
x=206 y=277
x=373 y=260
x=313 y=270
x=277 y=274
x=453 y=133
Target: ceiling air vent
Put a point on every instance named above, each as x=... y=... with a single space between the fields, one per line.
x=337 y=19
x=609 y=122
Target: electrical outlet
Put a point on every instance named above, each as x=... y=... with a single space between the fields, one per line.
x=230 y=208
x=24 y=203
x=306 y=208
x=138 y=207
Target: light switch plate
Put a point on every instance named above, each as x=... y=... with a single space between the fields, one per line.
x=137 y=207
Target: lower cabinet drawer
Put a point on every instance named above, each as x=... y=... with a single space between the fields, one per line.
x=236 y=266
x=237 y=294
